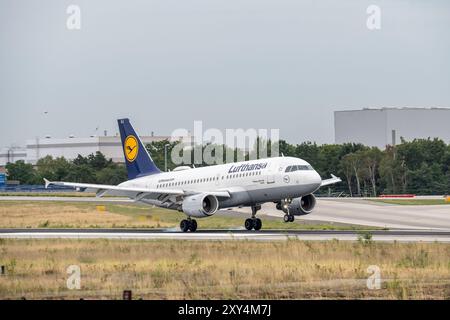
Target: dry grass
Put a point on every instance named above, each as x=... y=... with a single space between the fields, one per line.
x=48 y=194
x=235 y=269
x=70 y=215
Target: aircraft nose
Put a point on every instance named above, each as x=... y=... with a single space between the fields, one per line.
x=317 y=180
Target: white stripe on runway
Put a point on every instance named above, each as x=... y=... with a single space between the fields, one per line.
x=222 y=236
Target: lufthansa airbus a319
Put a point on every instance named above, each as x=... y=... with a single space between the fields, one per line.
x=200 y=192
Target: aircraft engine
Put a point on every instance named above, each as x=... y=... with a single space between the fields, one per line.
x=200 y=205
x=299 y=206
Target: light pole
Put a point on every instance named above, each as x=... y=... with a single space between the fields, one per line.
x=165 y=156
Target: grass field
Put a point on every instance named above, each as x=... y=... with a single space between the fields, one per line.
x=35 y=214
x=234 y=269
x=414 y=202
x=47 y=194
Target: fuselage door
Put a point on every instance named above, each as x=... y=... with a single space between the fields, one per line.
x=270 y=174
x=217 y=179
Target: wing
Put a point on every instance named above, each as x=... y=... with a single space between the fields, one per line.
x=134 y=193
x=332 y=180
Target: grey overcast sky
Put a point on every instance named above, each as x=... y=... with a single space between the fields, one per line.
x=284 y=64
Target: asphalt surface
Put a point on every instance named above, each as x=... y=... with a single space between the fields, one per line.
x=262 y=235
x=374 y=214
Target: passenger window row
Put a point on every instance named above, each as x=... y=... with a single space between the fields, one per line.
x=300 y=167
x=230 y=176
x=246 y=174
x=180 y=183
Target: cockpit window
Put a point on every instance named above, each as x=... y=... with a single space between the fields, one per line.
x=299 y=167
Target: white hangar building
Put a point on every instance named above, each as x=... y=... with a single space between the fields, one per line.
x=385 y=126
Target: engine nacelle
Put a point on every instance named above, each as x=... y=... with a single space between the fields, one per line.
x=299 y=206
x=200 y=205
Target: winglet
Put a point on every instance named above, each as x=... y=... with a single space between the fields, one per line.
x=47 y=183
x=332 y=180
x=337 y=179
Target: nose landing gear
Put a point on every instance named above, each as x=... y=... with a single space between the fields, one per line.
x=284 y=206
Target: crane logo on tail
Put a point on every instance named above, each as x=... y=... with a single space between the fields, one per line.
x=131 y=148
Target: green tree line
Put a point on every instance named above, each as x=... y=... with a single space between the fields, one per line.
x=421 y=166
x=94 y=168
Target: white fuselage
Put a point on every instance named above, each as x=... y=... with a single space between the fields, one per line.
x=248 y=183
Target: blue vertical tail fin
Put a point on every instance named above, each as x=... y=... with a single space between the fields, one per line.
x=137 y=159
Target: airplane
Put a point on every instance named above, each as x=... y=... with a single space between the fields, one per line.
x=288 y=182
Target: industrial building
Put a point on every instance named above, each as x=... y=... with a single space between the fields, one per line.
x=71 y=147
x=385 y=126
x=12 y=154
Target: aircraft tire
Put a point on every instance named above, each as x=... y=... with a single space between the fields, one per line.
x=257 y=224
x=193 y=225
x=184 y=225
x=249 y=224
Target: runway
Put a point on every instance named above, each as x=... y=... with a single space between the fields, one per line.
x=368 y=213
x=353 y=211
x=221 y=235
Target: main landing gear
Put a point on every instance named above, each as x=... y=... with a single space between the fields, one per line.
x=188 y=225
x=253 y=222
